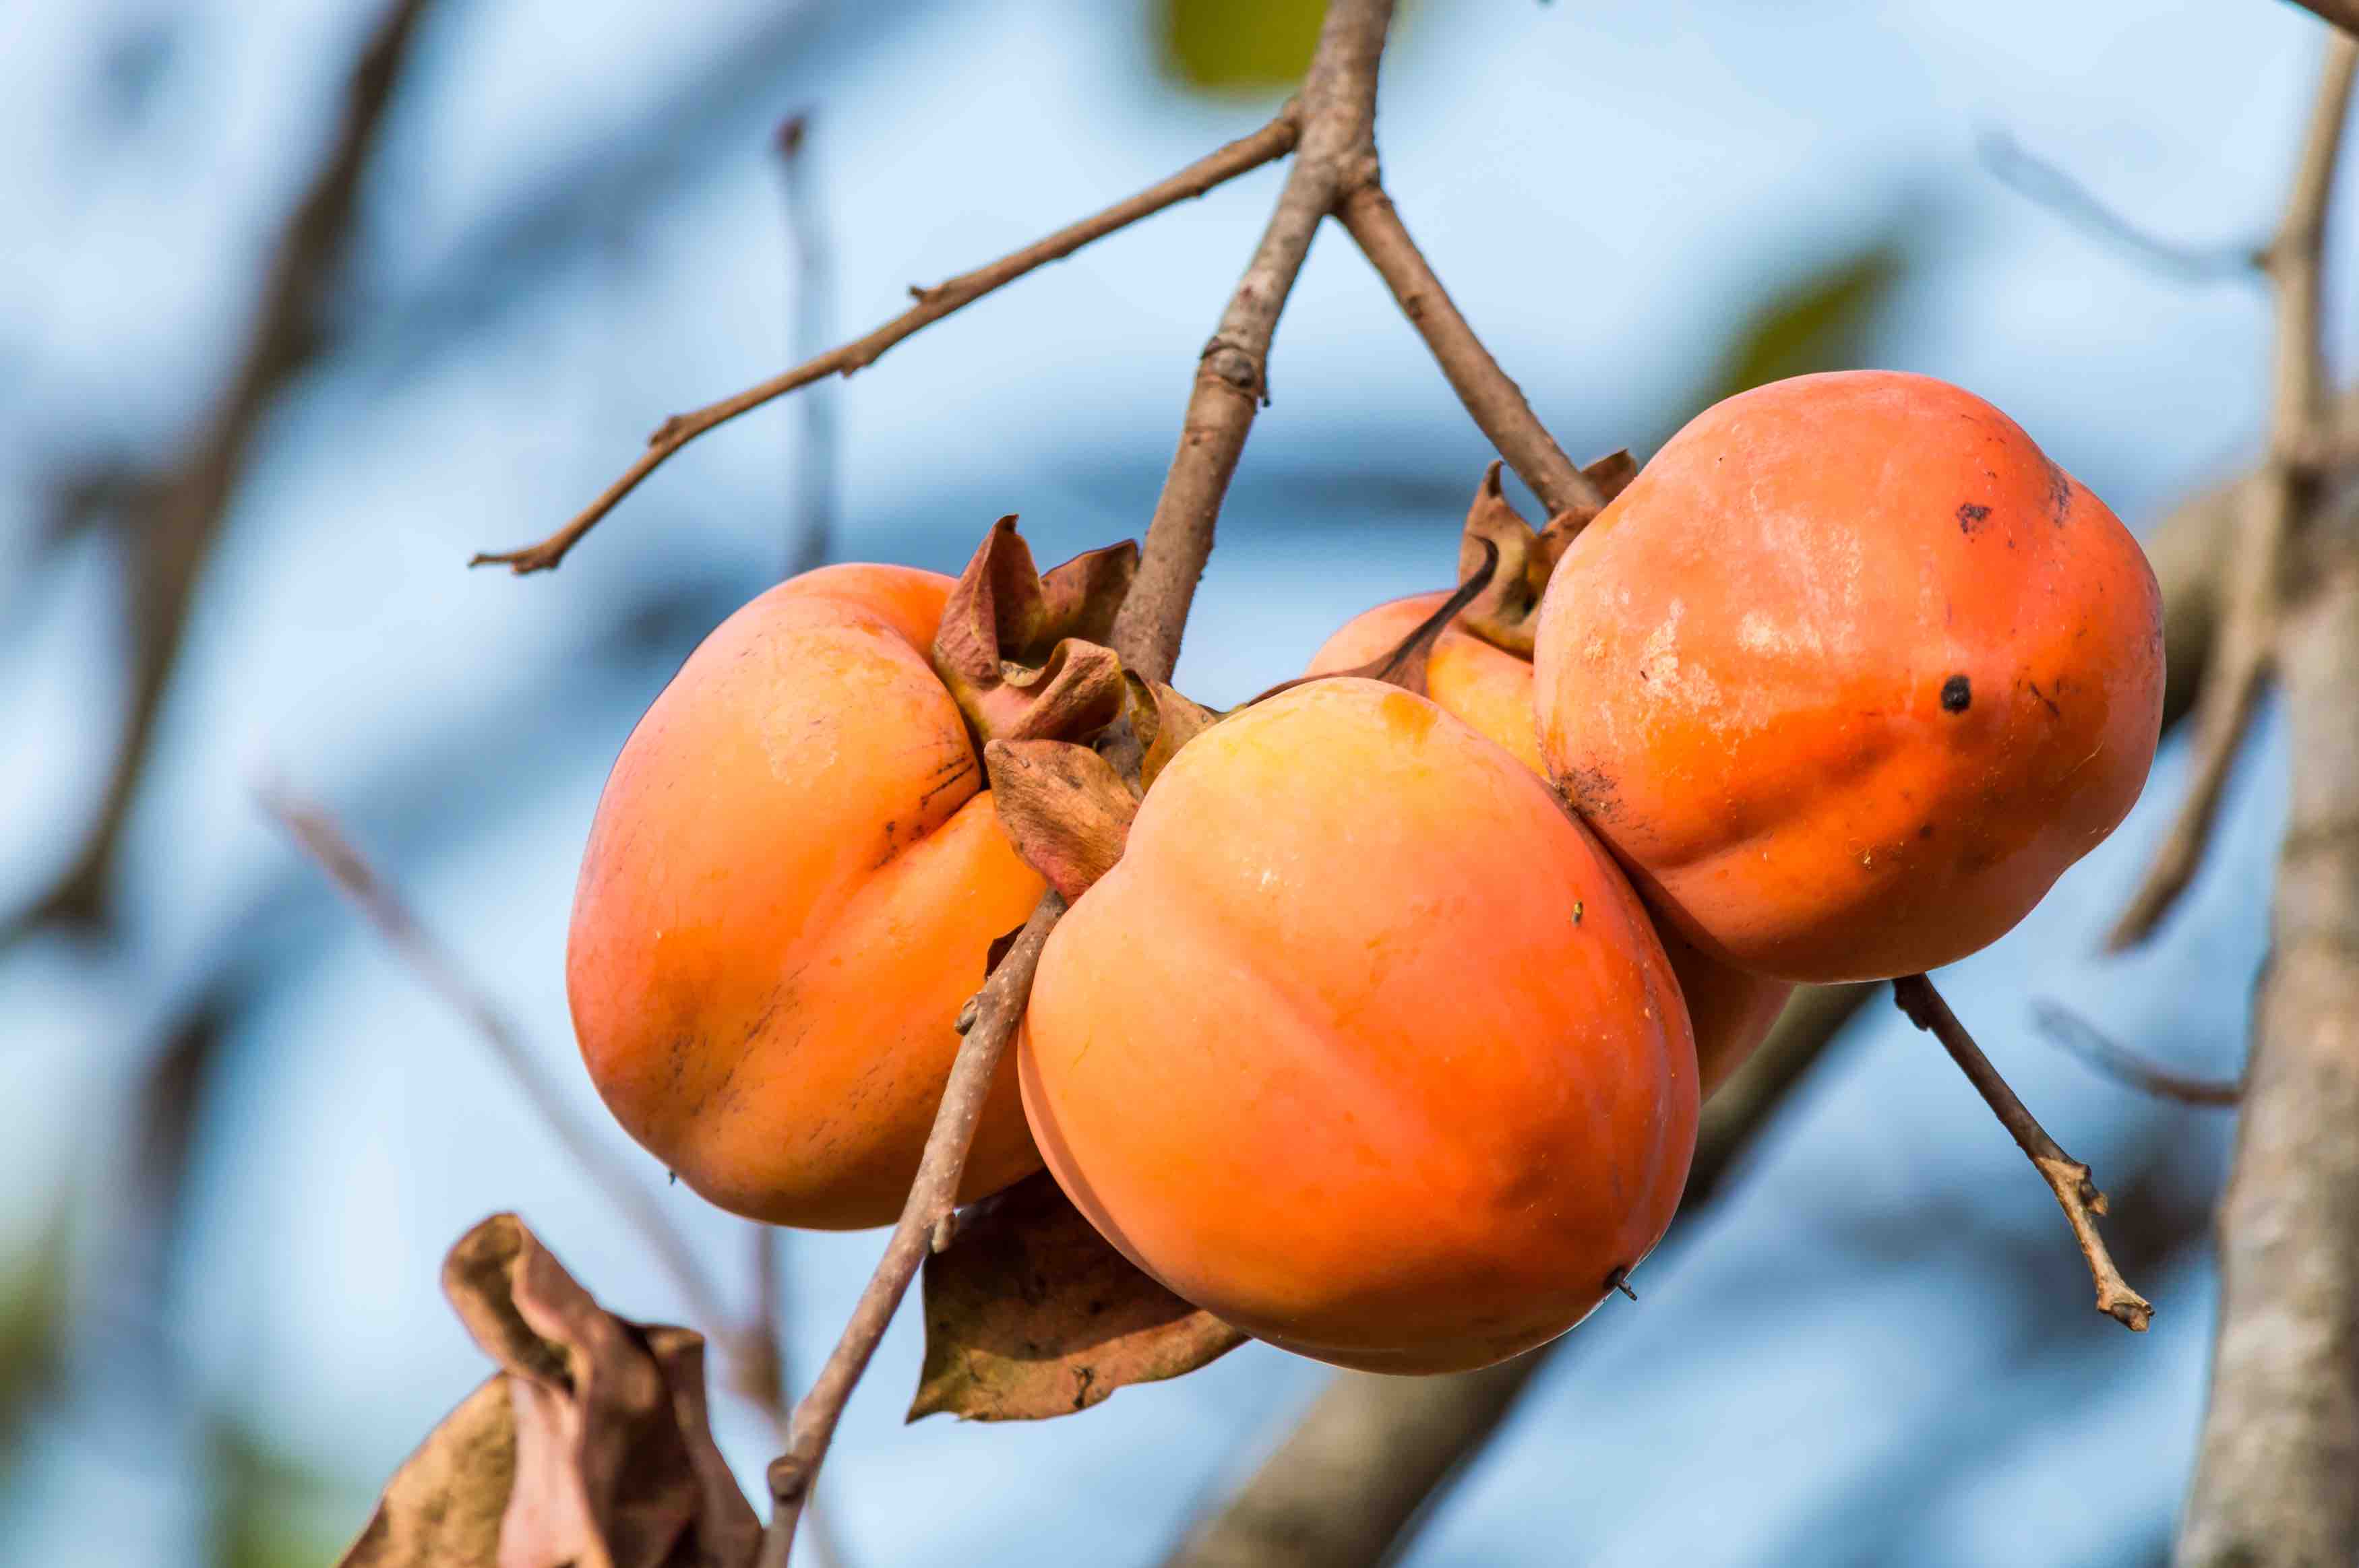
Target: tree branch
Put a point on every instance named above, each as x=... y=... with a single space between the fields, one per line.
x=2280 y=1439
x=2342 y=14
x=1339 y=107
x=2067 y=1177
x=933 y=1197
x=2300 y=431
x=317 y=835
x=2086 y=1041
x=1272 y=141
x=811 y=527
x=1336 y=112
x=170 y=526
x=2038 y=181
x=1495 y=402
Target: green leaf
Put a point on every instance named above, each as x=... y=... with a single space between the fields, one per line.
x=1827 y=319
x=1238 y=46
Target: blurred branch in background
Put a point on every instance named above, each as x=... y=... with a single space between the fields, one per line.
x=317 y=835
x=811 y=524
x=2280 y=1440
x=2277 y=507
x=2077 y=1035
x=2039 y=180
x=1320 y=1501
x=169 y=524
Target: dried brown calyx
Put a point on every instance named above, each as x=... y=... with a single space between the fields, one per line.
x=1023 y=651
x=1505 y=614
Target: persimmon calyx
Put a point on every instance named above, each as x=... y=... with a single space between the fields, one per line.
x=1162 y=722
x=1021 y=651
x=1506 y=615
x=1064 y=807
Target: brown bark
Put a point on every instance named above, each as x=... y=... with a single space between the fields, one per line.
x=2276 y=1477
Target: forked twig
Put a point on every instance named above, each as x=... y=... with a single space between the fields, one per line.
x=2076 y=1192
x=2300 y=432
x=1274 y=140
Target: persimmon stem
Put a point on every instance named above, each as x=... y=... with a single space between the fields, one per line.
x=1404 y=665
x=1490 y=396
x=2070 y=1181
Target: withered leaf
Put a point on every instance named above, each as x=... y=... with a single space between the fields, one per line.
x=590 y=1449
x=1030 y=1314
x=1062 y=806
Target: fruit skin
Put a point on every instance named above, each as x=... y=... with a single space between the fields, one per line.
x=1490 y=688
x=1850 y=674
x=790 y=888
x=1365 y=1045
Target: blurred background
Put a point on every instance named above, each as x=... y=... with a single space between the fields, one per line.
x=283 y=343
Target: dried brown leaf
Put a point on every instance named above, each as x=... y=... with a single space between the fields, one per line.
x=1062 y=806
x=591 y=1449
x=1030 y=1314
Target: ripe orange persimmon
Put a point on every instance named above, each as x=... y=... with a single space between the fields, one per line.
x=792 y=883
x=1364 y=1044
x=1490 y=686
x=1850 y=674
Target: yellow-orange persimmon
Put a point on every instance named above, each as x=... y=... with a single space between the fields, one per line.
x=1850 y=674
x=1364 y=1044
x=1490 y=686
x=791 y=889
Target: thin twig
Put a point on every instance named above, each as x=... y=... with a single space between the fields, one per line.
x=316 y=833
x=2086 y=1041
x=933 y=1195
x=2035 y=179
x=1337 y=116
x=171 y=524
x=812 y=525
x=2069 y=1179
x=1495 y=401
x=2342 y=14
x=1273 y=140
x=2300 y=429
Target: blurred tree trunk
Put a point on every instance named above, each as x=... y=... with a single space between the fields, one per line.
x=2277 y=1478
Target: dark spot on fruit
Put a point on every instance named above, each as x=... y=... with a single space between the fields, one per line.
x=1957 y=695
x=1591 y=792
x=1926 y=831
x=1969 y=516
x=2060 y=494
x=2045 y=699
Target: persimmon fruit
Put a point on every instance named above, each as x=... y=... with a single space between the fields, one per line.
x=796 y=872
x=1364 y=1044
x=1480 y=670
x=1849 y=674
